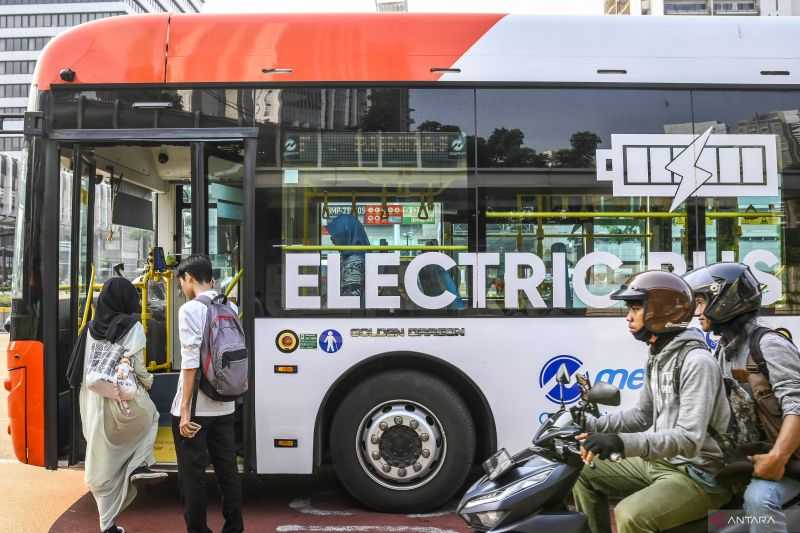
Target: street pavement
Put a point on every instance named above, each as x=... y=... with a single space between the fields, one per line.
x=32 y=497
x=35 y=500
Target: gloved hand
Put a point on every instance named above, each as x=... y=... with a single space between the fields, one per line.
x=604 y=444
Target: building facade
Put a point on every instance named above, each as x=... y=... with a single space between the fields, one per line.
x=703 y=7
x=25 y=28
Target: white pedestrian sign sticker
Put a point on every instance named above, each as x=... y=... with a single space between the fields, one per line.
x=330 y=341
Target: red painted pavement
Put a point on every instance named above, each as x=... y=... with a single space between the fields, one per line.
x=284 y=505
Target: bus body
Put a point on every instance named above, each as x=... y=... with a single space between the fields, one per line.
x=421 y=216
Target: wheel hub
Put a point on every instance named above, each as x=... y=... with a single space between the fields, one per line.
x=401 y=445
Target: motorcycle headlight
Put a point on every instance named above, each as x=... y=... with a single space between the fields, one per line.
x=508 y=490
x=485 y=519
x=489 y=519
x=526 y=483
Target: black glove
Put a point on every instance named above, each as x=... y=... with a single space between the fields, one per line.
x=604 y=444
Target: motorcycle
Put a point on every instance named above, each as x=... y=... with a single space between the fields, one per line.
x=526 y=493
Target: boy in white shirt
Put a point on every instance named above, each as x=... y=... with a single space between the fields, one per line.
x=210 y=433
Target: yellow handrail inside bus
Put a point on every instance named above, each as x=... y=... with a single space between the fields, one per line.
x=364 y=248
x=626 y=214
x=234 y=282
x=582 y=214
x=166 y=278
x=88 y=304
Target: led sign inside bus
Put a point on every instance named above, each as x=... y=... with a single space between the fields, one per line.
x=523 y=273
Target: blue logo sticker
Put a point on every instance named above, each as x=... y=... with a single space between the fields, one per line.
x=711 y=341
x=330 y=341
x=554 y=391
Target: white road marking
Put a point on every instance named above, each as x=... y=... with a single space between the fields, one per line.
x=304 y=506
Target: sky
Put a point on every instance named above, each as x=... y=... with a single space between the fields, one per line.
x=539 y=7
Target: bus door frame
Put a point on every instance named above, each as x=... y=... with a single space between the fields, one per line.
x=196 y=138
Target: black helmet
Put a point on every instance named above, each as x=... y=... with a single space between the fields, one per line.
x=730 y=289
x=667 y=299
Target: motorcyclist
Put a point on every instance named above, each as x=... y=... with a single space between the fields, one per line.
x=728 y=301
x=667 y=476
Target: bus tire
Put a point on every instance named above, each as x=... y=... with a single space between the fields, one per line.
x=403 y=441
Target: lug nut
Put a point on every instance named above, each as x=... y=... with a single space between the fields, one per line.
x=384 y=426
x=414 y=424
x=426 y=453
x=401 y=472
x=376 y=455
x=417 y=467
x=425 y=437
x=387 y=468
x=374 y=439
x=398 y=420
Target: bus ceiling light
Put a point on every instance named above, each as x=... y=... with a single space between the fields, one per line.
x=151 y=105
x=276 y=70
x=67 y=74
x=775 y=73
x=444 y=69
x=611 y=71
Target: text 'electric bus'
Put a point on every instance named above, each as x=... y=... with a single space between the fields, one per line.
x=421 y=216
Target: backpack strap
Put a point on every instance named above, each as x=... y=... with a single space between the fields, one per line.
x=680 y=358
x=205 y=300
x=755 y=349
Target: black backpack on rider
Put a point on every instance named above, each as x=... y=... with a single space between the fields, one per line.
x=743 y=428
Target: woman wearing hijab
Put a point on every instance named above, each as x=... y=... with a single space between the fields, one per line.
x=119 y=435
x=346 y=230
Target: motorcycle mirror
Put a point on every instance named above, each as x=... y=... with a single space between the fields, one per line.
x=604 y=394
x=563 y=376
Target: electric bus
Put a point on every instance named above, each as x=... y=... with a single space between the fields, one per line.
x=420 y=216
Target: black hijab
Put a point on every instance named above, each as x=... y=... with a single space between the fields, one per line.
x=118 y=310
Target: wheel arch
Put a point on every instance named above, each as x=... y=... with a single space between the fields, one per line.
x=479 y=407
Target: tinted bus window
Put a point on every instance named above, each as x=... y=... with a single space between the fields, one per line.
x=540 y=194
x=368 y=177
x=757 y=224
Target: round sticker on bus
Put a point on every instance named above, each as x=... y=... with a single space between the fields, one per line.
x=287 y=341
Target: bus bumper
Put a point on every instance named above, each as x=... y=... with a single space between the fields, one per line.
x=25 y=386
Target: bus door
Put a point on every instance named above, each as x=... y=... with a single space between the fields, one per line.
x=134 y=207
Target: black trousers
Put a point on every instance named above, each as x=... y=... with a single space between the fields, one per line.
x=215 y=442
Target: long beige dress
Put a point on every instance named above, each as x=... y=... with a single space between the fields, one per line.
x=118 y=442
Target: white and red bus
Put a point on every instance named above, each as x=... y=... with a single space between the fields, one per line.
x=421 y=216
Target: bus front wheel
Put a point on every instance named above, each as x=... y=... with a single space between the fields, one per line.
x=403 y=441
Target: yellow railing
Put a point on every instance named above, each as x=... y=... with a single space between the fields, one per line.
x=234 y=282
x=88 y=304
x=625 y=214
x=365 y=248
x=166 y=278
x=582 y=214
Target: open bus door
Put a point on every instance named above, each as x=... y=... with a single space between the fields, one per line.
x=200 y=202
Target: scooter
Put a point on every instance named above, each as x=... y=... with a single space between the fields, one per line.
x=526 y=493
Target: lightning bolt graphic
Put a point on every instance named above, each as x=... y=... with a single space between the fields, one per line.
x=685 y=165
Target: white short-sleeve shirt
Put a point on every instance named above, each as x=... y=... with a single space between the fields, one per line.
x=191 y=324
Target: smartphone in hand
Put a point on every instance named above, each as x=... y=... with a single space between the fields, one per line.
x=194 y=427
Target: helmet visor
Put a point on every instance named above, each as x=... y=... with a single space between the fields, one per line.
x=700 y=280
x=628 y=294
